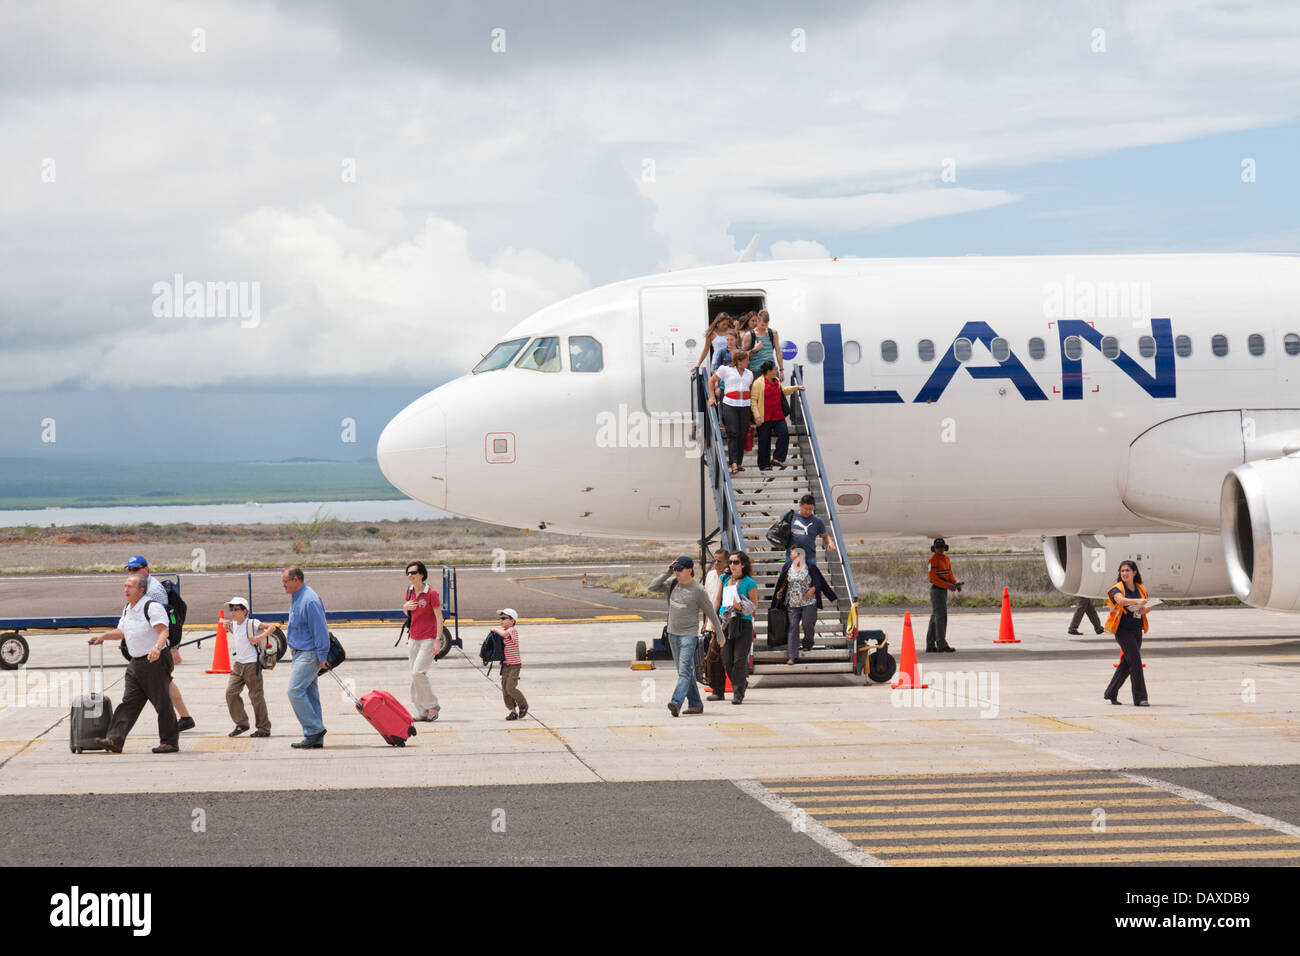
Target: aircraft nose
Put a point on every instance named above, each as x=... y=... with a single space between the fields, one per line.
x=412 y=453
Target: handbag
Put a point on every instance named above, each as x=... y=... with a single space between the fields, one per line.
x=749 y=439
x=777 y=627
x=336 y=655
x=778 y=536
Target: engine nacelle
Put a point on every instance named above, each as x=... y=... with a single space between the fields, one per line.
x=1174 y=566
x=1259 y=508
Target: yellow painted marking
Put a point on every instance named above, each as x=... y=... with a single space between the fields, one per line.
x=1263 y=853
x=898 y=798
x=909 y=786
x=967 y=728
x=906 y=781
x=1014 y=792
x=1019 y=805
x=560 y=620
x=536 y=735
x=841 y=728
x=948 y=821
x=1050 y=724
x=1151 y=720
x=216 y=745
x=743 y=731
x=1083 y=830
x=1088 y=840
x=638 y=731
x=1254 y=720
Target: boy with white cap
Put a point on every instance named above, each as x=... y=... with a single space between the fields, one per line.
x=510 y=668
x=245 y=634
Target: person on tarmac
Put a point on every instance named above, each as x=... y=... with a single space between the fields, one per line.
x=941 y=582
x=687 y=600
x=716 y=673
x=137 y=564
x=738 y=599
x=1082 y=606
x=423 y=604
x=143 y=626
x=1128 y=622
x=245 y=634
x=512 y=665
x=308 y=637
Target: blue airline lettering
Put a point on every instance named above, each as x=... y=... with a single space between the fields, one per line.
x=1009 y=368
x=833 y=375
x=1161 y=385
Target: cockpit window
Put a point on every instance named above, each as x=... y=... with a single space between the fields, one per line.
x=542 y=356
x=585 y=354
x=500 y=356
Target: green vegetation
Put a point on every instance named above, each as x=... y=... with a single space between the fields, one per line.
x=36 y=483
x=629 y=585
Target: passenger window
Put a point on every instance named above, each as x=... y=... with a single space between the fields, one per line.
x=1219 y=345
x=500 y=356
x=1001 y=349
x=1073 y=348
x=1255 y=344
x=889 y=350
x=852 y=353
x=1110 y=347
x=815 y=352
x=1036 y=348
x=586 y=355
x=1291 y=344
x=961 y=349
x=1183 y=346
x=542 y=356
x=1146 y=346
x=925 y=350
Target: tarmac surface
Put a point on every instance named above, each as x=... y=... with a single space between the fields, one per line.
x=1010 y=756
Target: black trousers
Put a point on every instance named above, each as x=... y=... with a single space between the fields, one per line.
x=936 y=636
x=1130 y=665
x=152 y=683
x=735 y=654
x=1081 y=607
x=763 y=439
x=736 y=418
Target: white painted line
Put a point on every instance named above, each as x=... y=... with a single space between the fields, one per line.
x=1205 y=800
x=820 y=834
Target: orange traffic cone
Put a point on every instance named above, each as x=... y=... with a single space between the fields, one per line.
x=1006 y=633
x=220 y=653
x=908 y=672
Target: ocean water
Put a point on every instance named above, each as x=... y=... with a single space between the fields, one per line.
x=246 y=513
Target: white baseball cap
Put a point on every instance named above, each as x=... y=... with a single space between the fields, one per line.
x=238 y=602
x=510 y=613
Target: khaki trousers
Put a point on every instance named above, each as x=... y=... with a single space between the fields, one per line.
x=510 y=692
x=250 y=676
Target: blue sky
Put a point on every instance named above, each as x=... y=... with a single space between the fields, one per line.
x=400 y=191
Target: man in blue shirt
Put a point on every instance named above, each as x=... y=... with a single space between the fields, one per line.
x=309 y=639
x=806 y=528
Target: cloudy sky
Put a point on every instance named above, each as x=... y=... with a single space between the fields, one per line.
x=403 y=181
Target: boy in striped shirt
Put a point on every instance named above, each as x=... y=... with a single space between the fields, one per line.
x=510 y=668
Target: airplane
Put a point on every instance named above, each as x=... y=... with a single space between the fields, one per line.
x=1116 y=405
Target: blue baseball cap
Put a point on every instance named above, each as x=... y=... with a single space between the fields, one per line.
x=137 y=561
x=682 y=563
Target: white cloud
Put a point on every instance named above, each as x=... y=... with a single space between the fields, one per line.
x=798 y=249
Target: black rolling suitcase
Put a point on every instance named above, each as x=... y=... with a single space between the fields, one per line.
x=91 y=712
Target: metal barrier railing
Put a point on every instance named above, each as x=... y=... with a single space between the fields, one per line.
x=714 y=472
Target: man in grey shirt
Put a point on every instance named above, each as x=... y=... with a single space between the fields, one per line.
x=687 y=599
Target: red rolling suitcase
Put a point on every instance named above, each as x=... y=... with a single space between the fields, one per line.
x=385 y=714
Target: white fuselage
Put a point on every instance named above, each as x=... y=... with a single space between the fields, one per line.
x=1012 y=444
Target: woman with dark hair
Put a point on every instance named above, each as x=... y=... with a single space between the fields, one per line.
x=736 y=379
x=423 y=605
x=767 y=407
x=800 y=587
x=737 y=601
x=1128 y=621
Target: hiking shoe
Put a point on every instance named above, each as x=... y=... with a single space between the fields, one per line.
x=523 y=712
x=107 y=743
x=672 y=708
x=240 y=729
x=185 y=723
x=512 y=716
x=166 y=749
x=261 y=733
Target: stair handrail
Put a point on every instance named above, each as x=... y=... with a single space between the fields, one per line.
x=715 y=458
x=801 y=397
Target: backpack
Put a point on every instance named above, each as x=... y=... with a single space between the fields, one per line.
x=176 y=611
x=493 y=649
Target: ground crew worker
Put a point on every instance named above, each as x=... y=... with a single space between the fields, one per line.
x=686 y=601
x=1082 y=606
x=246 y=632
x=143 y=625
x=941 y=582
x=154 y=591
x=1128 y=621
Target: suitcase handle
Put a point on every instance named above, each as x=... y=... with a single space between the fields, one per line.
x=338 y=680
x=90 y=661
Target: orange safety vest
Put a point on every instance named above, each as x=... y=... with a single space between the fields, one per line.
x=1112 y=622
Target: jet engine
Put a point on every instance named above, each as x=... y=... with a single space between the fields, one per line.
x=1259 y=512
x=1175 y=566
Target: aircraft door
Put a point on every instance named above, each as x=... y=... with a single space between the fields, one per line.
x=670 y=317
